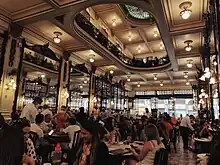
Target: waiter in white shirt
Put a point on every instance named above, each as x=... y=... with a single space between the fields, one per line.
x=185 y=125
x=30 y=111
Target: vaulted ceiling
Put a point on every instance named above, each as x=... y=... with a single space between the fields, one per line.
x=137 y=38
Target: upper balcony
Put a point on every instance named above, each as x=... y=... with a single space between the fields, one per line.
x=84 y=28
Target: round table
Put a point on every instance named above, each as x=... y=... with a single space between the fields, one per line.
x=202 y=145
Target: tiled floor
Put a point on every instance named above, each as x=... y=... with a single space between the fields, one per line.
x=182 y=157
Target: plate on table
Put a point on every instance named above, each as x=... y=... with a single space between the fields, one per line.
x=201 y=156
x=139 y=142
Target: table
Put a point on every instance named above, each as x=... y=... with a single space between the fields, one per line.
x=120 y=152
x=202 y=159
x=56 y=138
x=202 y=145
x=123 y=149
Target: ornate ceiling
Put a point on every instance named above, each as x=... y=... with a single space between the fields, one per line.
x=38 y=19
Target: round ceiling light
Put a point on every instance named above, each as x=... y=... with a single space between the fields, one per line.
x=138 y=85
x=57 y=38
x=128 y=78
x=185 y=13
x=155 y=77
x=189 y=63
x=111 y=71
x=188 y=47
x=161 y=83
x=186 y=75
x=91 y=58
x=187 y=83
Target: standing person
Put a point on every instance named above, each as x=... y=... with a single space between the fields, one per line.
x=46 y=111
x=185 y=125
x=30 y=111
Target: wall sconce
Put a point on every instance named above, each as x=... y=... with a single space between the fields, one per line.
x=57 y=39
x=185 y=13
x=11 y=84
x=188 y=47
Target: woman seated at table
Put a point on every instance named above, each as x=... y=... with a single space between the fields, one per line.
x=151 y=146
x=204 y=130
x=91 y=151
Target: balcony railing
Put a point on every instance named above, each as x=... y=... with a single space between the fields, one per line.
x=149 y=62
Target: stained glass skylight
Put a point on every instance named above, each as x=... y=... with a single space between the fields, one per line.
x=137 y=12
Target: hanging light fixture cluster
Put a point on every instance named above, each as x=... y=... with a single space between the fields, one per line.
x=11 y=84
x=208 y=75
x=203 y=95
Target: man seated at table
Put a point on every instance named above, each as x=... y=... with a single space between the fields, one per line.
x=36 y=127
x=70 y=130
x=46 y=125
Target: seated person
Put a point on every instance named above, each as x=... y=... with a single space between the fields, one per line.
x=70 y=130
x=46 y=111
x=36 y=127
x=204 y=131
x=151 y=146
x=46 y=125
x=91 y=151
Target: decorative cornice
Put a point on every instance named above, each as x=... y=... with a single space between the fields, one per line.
x=35 y=37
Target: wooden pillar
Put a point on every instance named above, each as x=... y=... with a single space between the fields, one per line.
x=91 y=90
x=11 y=75
x=63 y=80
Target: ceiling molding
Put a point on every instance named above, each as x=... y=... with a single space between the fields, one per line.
x=52 y=3
x=143 y=36
x=171 y=77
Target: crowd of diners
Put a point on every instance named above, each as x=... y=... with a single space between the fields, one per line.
x=97 y=132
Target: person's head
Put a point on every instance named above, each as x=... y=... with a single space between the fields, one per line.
x=47 y=118
x=45 y=106
x=37 y=101
x=151 y=132
x=81 y=109
x=39 y=118
x=72 y=121
x=63 y=108
x=89 y=131
x=146 y=110
x=22 y=124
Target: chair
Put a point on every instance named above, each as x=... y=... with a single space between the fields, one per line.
x=33 y=136
x=76 y=139
x=161 y=157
